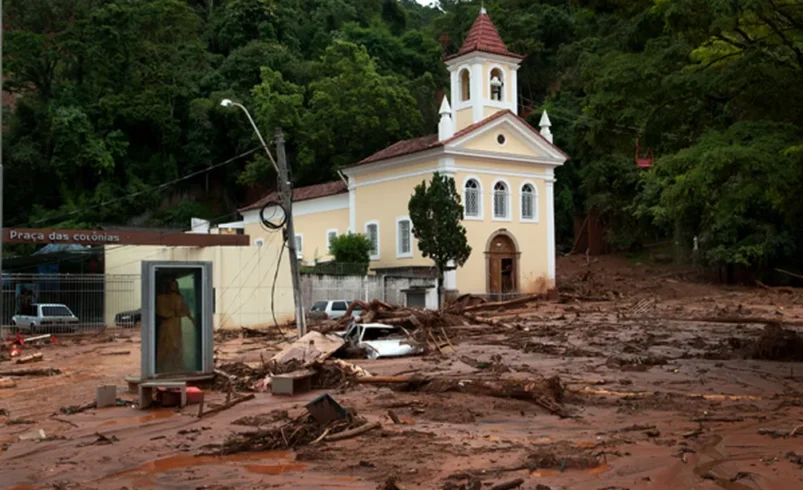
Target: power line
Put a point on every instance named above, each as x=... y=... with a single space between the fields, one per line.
x=149 y=189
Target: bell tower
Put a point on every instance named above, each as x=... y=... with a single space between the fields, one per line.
x=483 y=75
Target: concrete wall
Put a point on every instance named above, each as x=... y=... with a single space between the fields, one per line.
x=242 y=278
x=315 y=287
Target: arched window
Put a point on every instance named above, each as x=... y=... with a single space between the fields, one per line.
x=501 y=196
x=472 y=198
x=529 y=203
x=497 y=81
x=465 y=85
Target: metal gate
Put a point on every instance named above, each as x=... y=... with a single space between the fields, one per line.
x=96 y=300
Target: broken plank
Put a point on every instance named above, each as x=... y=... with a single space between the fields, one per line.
x=31 y=358
x=353 y=432
x=46 y=371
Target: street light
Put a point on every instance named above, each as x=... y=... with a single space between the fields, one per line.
x=285 y=190
x=229 y=103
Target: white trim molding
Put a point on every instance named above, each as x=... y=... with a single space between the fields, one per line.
x=536 y=207
x=550 y=227
x=399 y=253
x=328 y=240
x=476 y=92
x=377 y=255
x=299 y=239
x=508 y=211
x=480 y=199
x=352 y=205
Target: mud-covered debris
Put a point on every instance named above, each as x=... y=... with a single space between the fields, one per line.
x=510 y=485
x=263 y=419
x=297 y=432
x=778 y=344
x=73 y=409
x=562 y=458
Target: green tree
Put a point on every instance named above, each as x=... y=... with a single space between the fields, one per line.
x=351 y=250
x=436 y=213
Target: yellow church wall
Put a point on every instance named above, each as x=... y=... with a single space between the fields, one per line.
x=312 y=228
x=464 y=118
x=514 y=144
x=531 y=237
x=384 y=202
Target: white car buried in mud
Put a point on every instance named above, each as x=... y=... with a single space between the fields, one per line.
x=380 y=340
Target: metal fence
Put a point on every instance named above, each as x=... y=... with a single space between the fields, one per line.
x=94 y=299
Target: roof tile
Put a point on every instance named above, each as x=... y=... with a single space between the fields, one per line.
x=484 y=37
x=304 y=193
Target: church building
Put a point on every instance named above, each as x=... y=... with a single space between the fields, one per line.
x=503 y=167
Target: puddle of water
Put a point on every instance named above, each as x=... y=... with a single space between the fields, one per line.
x=154 y=415
x=277 y=469
x=188 y=461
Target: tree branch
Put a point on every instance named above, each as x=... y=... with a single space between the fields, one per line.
x=786 y=41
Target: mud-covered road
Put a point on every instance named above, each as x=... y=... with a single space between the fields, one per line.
x=669 y=383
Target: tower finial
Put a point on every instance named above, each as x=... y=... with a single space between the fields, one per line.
x=482 y=8
x=545 y=125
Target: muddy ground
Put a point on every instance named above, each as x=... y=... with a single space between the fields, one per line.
x=665 y=388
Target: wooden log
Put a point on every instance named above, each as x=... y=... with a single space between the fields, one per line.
x=378 y=380
x=116 y=353
x=46 y=371
x=509 y=485
x=395 y=418
x=502 y=304
x=32 y=358
x=791 y=274
x=353 y=432
x=727 y=319
x=227 y=406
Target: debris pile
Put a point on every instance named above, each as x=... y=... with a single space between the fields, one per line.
x=300 y=431
x=778 y=344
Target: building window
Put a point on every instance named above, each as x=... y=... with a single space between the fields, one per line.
x=472 y=199
x=501 y=139
x=465 y=85
x=529 y=203
x=259 y=242
x=404 y=237
x=330 y=235
x=372 y=232
x=497 y=85
x=299 y=245
x=501 y=196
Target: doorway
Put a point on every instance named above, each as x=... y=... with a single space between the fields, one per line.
x=502 y=258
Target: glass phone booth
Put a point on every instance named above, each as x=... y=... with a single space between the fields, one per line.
x=177 y=335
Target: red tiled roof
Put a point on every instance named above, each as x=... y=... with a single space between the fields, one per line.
x=407 y=147
x=404 y=147
x=304 y=193
x=484 y=37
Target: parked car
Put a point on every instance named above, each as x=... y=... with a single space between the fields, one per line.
x=379 y=340
x=47 y=317
x=335 y=308
x=128 y=319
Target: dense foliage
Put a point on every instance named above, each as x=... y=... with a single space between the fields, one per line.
x=437 y=216
x=113 y=97
x=352 y=251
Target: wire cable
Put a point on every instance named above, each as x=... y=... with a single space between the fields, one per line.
x=149 y=189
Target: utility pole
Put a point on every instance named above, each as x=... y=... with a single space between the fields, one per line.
x=2 y=283
x=286 y=192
